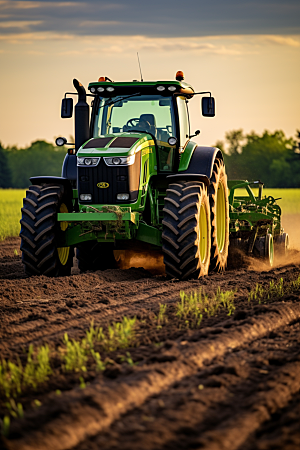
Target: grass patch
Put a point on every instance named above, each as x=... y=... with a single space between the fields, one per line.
x=14 y=378
x=11 y=201
x=274 y=291
x=193 y=306
x=289 y=199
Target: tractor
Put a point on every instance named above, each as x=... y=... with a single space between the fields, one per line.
x=135 y=178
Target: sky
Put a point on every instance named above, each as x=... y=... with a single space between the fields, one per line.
x=246 y=52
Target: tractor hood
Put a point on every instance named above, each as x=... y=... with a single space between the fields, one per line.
x=119 y=144
x=110 y=168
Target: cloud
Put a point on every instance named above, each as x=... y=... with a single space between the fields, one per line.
x=283 y=40
x=97 y=23
x=168 y=18
x=20 y=23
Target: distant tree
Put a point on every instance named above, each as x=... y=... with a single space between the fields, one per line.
x=234 y=140
x=271 y=157
x=41 y=158
x=5 y=172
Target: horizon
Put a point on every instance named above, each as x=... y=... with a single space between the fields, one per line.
x=247 y=54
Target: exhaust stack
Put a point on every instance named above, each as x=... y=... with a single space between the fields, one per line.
x=82 y=112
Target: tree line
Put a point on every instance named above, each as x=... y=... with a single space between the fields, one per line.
x=18 y=165
x=270 y=157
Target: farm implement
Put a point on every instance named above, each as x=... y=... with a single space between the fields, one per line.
x=134 y=177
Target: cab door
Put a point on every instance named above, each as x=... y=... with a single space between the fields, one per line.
x=184 y=123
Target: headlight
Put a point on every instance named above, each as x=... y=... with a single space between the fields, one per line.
x=160 y=88
x=110 y=89
x=122 y=196
x=60 y=141
x=120 y=161
x=85 y=197
x=172 y=88
x=93 y=90
x=172 y=140
x=87 y=161
x=100 y=89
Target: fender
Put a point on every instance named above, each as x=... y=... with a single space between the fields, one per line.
x=200 y=166
x=55 y=181
x=69 y=169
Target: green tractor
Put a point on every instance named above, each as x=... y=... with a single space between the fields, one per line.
x=135 y=178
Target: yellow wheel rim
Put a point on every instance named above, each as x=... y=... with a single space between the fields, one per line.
x=271 y=259
x=203 y=234
x=63 y=209
x=221 y=217
x=63 y=252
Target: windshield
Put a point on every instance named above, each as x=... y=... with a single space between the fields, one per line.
x=142 y=113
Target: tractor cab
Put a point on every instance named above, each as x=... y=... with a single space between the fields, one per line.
x=144 y=107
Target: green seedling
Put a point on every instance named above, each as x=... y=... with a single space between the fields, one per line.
x=15 y=409
x=37 y=370
x=82 y=383
x=225 y=299
x=100 y=365
x=14 y=377
x=162 y=316
x=274 y=291
x=11 y=378
x=75 y=357
x=119 y=334
x=256 y=294
x=192 y=307
x=5 y=426
x=128 y=359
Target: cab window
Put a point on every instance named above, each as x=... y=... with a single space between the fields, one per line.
x=184 y=126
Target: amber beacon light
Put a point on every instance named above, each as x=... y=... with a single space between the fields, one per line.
x=179 y=75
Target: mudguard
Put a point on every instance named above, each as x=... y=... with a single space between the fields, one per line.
x=69 y=169
x=200 y=166
x=202 y=161
x=54 y=180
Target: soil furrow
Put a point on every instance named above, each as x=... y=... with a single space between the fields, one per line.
x=222 y=406
x=101 y=405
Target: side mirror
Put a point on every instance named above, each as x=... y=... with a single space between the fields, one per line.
x=208 y=106
x=66 y=108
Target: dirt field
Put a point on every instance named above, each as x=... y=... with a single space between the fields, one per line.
x=233 y=383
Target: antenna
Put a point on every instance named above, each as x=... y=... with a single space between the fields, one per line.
x=139 y=66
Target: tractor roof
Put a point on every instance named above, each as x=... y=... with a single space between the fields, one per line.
x=165 y=88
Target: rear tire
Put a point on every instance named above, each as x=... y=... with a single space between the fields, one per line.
x=282 y=244
x=93 y=255
x=219 y=210
x=264 y=249
x=186 y=230
x=40 y=231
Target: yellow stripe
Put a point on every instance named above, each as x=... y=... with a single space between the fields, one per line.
x=144 y=145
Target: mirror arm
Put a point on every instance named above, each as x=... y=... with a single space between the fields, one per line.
x=196 y=134
x=76 y=93
x=202 y=93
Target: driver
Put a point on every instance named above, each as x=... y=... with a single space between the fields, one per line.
x=146 y=122
x=150 y=122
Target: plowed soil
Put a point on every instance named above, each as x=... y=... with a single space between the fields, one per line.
x=233 y=383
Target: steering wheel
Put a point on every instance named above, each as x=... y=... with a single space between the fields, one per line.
x=135 y=122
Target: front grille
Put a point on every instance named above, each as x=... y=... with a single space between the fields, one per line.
x=116 y=179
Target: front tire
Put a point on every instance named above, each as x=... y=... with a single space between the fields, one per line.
x=40 y=231
x=219 y=211
x=186 y=230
